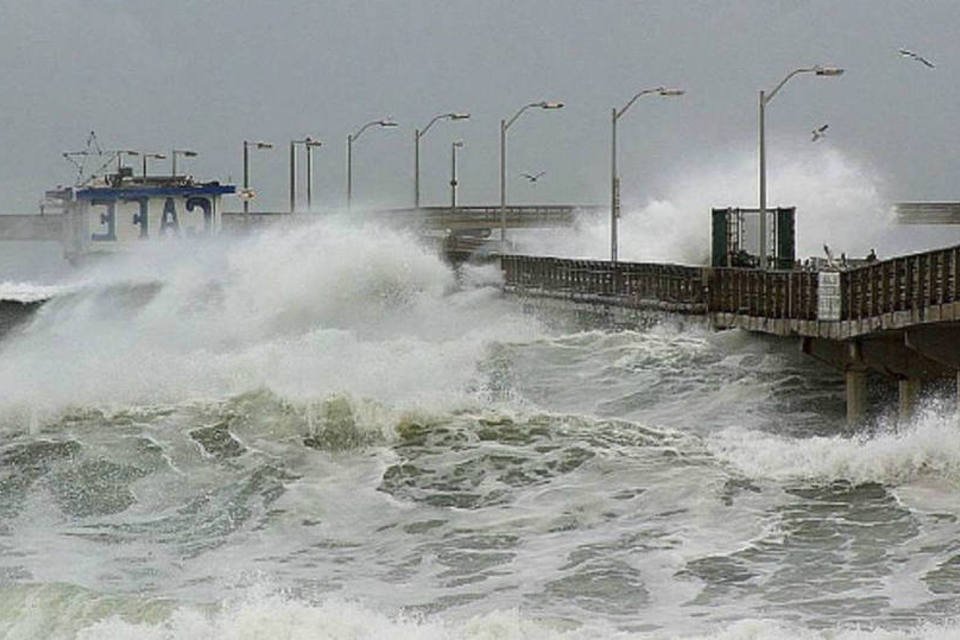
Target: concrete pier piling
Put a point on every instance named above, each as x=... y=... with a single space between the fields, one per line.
x=908 y=392
x=856 y=392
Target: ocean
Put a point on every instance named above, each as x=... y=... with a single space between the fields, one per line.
x=330 y=433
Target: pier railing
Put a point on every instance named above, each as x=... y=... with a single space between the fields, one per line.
x=772 y=294
x=763 y=294
x=627 y=284
x=908 y=283
x=923 y=287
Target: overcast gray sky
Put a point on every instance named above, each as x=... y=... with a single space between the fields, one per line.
x=205 y=75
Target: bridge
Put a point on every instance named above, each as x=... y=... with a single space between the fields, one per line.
x=57 y=226
x=453 y=219
x=461 y=231
x=898 y=318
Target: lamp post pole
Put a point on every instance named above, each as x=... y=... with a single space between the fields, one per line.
x=246 y=170
x=762 y=199
x=310 y=144
x=765 y=99
x=246 y=179
x=349 y=170
x=503 y=186
x=504 y=126
x=614 y=178
x=293 y=177
x=453 y=172
x=614 y=188
x=351 y=138
x=419 y=133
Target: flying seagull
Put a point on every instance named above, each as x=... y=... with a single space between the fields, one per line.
x=906 y=53
x=533 y=178
x=819 y=132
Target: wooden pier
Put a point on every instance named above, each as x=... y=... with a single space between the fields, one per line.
x=899 y=318
x=465 y=218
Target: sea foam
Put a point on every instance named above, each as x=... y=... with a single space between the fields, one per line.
x=928 y=447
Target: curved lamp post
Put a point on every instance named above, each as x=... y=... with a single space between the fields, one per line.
x=154 y=156
x=246 y=169
x=765 y=98
x=124 y=152
x=614 y=178
x=419 y=133
x=186 y=153
x=504 y=126
x=350 y=140
x=309 y=143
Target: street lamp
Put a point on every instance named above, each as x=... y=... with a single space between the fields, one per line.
x=186 y=153
x=419 y=133
x=458 y=144
x=120 y=154
x=246 y=195
x=154 y=156
x=614 y=178
x=764 y=100
x=308 y=143
x=350 y=139
x=504 y=125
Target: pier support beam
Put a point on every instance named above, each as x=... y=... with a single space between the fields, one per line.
x=856 y=387
x=909 y=389
x=909 y=359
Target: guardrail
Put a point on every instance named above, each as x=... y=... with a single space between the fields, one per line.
x=763 y=294
x=772 y=294
x=919 y=283
x=907 y=283
x=628 y=284
x=441 y=217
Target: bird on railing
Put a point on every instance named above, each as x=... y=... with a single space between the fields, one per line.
x=819 y=132
x=906 y=53
x=533 y=177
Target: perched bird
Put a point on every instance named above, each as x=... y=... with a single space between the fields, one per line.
x=533 y=178
x=819 y=132
x=906 y=53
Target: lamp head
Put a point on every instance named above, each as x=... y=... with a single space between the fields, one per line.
x=828 y=71
x=671 y=92
x=459 y=116
x=263 y=145
x=387 y=123
x=458 y=143
x=550 y=105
